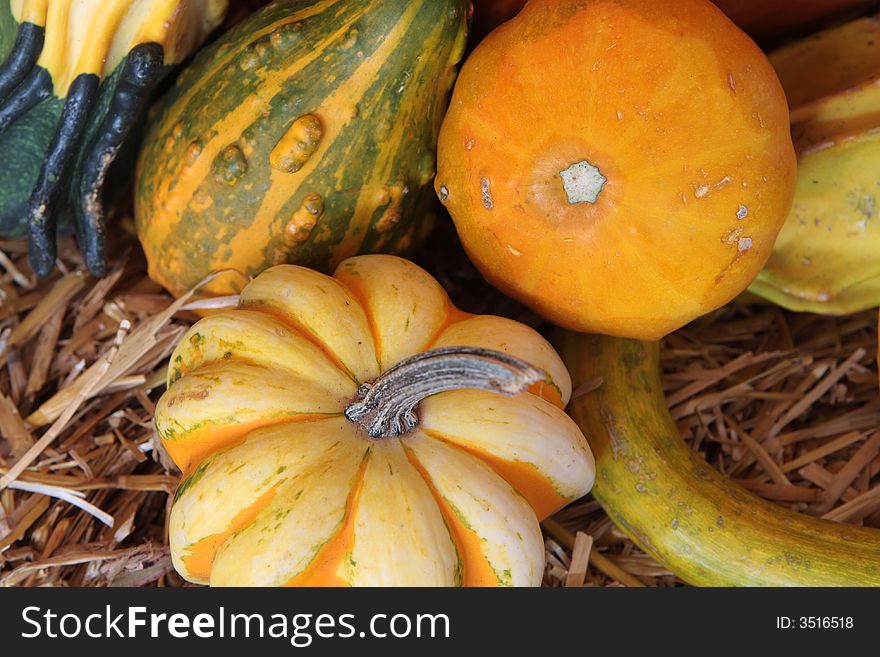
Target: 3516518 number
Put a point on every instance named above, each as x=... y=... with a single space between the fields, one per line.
x=815 y=622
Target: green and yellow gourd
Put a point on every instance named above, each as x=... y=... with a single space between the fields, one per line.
x=74 y=80
x=305 y=135
x=826 y=257
x=694 y=521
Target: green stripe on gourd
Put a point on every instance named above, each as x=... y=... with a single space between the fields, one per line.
x=374 y=75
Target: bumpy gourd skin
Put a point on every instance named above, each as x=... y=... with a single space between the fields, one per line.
x=826 y=258
x=305 y=135
x=281 y=488
x=75 y=80
x=619 y=166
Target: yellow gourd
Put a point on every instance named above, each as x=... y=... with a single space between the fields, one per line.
x=825 y=259
x=360 y=430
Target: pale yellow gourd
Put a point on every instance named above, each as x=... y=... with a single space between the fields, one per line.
x=326 y=439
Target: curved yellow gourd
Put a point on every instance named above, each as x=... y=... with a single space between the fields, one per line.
x=675 y=506
x=294 y=474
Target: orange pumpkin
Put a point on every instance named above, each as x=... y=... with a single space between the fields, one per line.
x=620 y=166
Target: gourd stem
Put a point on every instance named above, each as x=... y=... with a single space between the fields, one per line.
x=22 y=58
x=385 y=408
x=42 y=221
x=141 y=71
x=30 y=92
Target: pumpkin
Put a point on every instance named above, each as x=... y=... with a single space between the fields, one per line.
x=772 y=19
x=697 y=523
x=76 y=76
x=825 y=260
x=360 y=430
x=612 y=190
x=305 y=135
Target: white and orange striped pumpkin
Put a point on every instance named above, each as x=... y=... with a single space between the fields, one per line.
x=360 y=430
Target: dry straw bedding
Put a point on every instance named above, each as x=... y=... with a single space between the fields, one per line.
x=785 y=404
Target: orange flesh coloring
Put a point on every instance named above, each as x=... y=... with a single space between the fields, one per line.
x=548 y=392
x=453 y=316
x=200 y=556
x=322 y=571
x=525 y=478
x=190 y=450
x=477 y=569
x=354 y=285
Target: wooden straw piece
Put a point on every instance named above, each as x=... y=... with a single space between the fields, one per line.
x=142 y=482
x=15 y=272
x=45 y=351
x=13 y=428
x=862 y=506
x=73 y=497
x=824 y=450
x=60 y=294
x=87 y=555
x=599 y=560
x=786 y=493
x=580 y=560
x=38 y=507
x=848 y=473
x=818 y=390
x=141 y=341
x=707 y=378
x=94 y=300
x=770 y=466
x=95 y=375
x=819 y=476
x=213 y=303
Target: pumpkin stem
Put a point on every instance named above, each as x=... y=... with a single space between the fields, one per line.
x=385 y=408
x=583 y=182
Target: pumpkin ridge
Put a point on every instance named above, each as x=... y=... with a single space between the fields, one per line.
x=524 y=477
x=303 y=483
x=29 y=12
x=91 y=59
x=453 y=316
x=322 y=569
x=294 y=325
x=476 y=567
x=178 y=368
x=353 y=285
x=240 y=358
x=199 y=557
x=190 y=456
